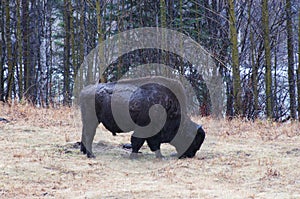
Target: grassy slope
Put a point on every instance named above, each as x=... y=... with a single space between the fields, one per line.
x=238 y=160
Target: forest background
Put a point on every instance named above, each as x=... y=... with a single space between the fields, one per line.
x=255 y=45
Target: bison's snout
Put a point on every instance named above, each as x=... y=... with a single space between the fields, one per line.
x=196 y=144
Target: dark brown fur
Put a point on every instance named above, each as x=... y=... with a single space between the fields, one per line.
x=144 y=93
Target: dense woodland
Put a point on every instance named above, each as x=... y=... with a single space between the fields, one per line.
x=254 y=43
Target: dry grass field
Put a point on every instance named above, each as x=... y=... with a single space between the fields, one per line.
x=40 y=159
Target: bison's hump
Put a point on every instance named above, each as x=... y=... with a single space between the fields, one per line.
x=150 y=94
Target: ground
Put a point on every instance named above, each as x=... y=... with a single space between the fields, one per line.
x=239 y=159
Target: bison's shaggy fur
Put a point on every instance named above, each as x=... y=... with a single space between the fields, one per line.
x=139 y=95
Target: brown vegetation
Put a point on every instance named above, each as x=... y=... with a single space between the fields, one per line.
x=238 y=159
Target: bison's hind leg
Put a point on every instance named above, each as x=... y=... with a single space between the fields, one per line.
x=82 y=148
x=89 y=119
x=88 y=133
x=136 y=144
x=85 y=151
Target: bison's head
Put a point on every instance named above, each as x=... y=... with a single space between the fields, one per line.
x=195 y=145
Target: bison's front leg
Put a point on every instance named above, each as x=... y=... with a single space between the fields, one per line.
x=154 y=145
x=136 y=144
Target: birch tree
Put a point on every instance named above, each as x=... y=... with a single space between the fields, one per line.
x=298 y=70
x=10 y=75
x=2 y=45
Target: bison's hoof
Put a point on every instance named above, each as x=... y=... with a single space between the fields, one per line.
x=134 y=156
x=174 y=155
x=127 y=146
x=90 y=155
x=158 y=154
x=82 y=148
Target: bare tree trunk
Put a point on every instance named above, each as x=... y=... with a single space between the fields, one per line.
x=89 y=78
x=73 y=51
x=20 y=51
x=267 y=48
x=25 y=35
x=82 y=41
x=235 y=60
x=254 y=65
x=2 y=50
x=48 y=51
x=66 y=90
x=100 y=38
x=10 y=75
x=78 y=81
x=181 y=67
x=276 y=112
x=298 y=73
x=120 y=29
x=163 y=20
x=291 y=73
x=49 y=84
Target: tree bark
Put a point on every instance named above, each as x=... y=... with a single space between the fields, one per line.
x=181 y=67
x=235 y=60
x=100 y=39
x=267 y=48
x=291 y=72
x=254 y=65
x=163 y=21
x=90 y=38
x=66 y=73
x=20 y=51
x=72 y=38
x=25 y=35
x=2 y=46
x=10 y=75
x=82 y=41
x=78 y=81
x=120 y=29
x=298 y=70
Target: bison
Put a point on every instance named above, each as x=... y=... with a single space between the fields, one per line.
x=154 y=108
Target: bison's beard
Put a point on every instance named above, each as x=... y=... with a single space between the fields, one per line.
x=196 y=144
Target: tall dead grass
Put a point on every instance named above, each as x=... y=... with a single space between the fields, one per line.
x=265 y=129
x=69 y=117
x=27 y=114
